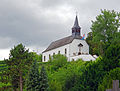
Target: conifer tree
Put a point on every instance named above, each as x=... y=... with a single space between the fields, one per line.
x=33 y=83
x=43 y=80
x=18 y=64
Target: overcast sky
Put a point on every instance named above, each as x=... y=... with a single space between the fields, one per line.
x=36 y=23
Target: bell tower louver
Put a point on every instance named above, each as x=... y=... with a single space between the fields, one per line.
x=76 y=28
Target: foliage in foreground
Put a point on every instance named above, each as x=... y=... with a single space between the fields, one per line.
x=33 y=81
x=108 y=78
x=18 y=64
x=64 y=77
x=37 y=81
x=57 y=61
x=43 y=80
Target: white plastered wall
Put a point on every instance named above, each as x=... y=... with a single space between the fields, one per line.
x=56 y=50
x=74 y=49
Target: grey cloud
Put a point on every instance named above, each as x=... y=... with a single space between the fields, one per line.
x=22 y=26
x=39 y=22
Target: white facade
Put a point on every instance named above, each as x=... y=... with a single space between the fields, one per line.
x=46 y=55
x=71 y=51
x=74 y=49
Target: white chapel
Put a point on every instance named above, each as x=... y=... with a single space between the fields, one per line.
x=73 y=46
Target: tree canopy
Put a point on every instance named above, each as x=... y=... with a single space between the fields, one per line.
x=105 y=31
x=18 y=64
x=33 y=81
x=108 y=78
x=105 y=26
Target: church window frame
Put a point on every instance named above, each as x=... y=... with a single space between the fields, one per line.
x=58 y=52
x=80 y=48
x=53 y=54
x=44 y=58
x=65 y=51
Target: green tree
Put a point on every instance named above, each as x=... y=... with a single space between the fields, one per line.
x=33 y=82
x=112 y=57
x=37 y=57
x=58 y=61
x=107 y=80
x=18 y=65
x=105 y=26
x=65 y=77
x=43 y=80
x=91 y=76
x=93 y=46
x=104 y=29
x=95 y=71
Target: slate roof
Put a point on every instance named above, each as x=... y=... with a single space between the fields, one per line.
x=76 y=24
x=61 y=42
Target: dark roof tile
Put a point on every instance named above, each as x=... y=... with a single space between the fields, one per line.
x=61 y=42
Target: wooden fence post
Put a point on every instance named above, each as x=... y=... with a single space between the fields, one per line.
x=115 y=86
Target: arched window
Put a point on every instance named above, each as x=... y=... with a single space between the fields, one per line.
x=44 y=58
x=65 y=51
x=53 y=54
x=80 y=50
x=58 y=52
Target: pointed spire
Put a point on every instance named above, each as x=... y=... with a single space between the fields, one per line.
x=76 y=23
x=76 y=28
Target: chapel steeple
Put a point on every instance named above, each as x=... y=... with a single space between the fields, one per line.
x=76 y=28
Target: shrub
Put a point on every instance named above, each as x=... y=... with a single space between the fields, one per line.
x=58 y=61
x=107 y=80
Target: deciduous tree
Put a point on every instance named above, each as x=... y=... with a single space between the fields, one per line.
x=105 y=29
x=105 y=26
